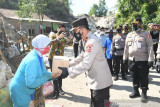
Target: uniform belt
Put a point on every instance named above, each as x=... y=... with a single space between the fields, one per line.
x=119 y=49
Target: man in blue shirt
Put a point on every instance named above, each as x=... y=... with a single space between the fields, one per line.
x=107 y=49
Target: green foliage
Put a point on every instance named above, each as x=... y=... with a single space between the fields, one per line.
x=9 y=4
x=93 y=10
x=51 y=8
x=99 y=10
x=147 y=10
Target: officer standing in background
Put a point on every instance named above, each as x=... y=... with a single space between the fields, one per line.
x=97 y=31
x=139 y=51
x=125 y=33
x=155 y=37
x=76 y=40
x=57 y=46
x=93 y=63
x=102 y=37
x=117 y=50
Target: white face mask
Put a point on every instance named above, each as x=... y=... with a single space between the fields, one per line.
x=102 y=33
x=98 y=31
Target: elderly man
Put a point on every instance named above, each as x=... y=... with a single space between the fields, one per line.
x=93 y=63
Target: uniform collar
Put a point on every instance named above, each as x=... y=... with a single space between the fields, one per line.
x=88 y=35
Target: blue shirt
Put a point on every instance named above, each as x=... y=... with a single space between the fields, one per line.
x=30 y=74
x=107 y=44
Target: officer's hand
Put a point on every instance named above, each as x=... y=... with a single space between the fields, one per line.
x=61 y=35
x=64 y=72
x=124 y=61
x=150 y=63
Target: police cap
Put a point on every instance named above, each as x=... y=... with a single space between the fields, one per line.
x=79 y=22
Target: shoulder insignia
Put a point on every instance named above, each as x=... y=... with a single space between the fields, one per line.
x=88 y=48
x=148 y=35
x=141 y=34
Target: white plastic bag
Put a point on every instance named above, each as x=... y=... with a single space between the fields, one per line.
x=47 y=88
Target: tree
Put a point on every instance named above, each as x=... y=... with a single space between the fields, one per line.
x=9 y=4
x=102 y=8
x=93 y=10
x=99 y=10
x=147 y=10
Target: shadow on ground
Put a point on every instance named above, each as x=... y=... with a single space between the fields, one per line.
x=73 y=97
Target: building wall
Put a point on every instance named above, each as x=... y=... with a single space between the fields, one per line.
x=34 y=25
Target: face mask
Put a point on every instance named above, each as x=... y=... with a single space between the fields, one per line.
x=60 y=32
x=119 y=30
x=110 y=35
x=98 y=31
x=125 y=29
x=102 y=33
x=43 y=50
x=135 y=27
x=77 y=36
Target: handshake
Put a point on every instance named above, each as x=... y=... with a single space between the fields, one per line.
x=64 y=73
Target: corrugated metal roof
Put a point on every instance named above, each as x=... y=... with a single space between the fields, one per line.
x=12 y=15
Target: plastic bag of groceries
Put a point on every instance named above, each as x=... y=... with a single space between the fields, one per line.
x=47 y=88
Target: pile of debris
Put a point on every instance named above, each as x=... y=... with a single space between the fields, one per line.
x=106 y=21
x=5 y=74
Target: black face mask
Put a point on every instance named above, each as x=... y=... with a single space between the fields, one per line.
x=60 y=32
x=135 y=27
x=119 y=30
x=78 y=36
x=126 y=29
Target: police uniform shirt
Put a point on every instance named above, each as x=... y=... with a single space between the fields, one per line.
x=139 y=46
x=93 y=62
x=118 y=44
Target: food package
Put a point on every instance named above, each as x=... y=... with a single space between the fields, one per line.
x=59 y=61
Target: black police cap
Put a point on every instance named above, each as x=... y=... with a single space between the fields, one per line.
x=79 y=22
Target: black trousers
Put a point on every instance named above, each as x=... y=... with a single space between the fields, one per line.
x=118 y=60
x=75 y=48
x=155 y=46
x=57 y=83
x=110 y=65
x=100 y=97
x=139 y=71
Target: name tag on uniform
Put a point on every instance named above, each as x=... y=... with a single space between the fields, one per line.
x=139 y=44
x=129 y=43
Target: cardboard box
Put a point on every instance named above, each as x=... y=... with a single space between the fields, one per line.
x=59 y=61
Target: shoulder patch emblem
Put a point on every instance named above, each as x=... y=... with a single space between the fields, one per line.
x=141 y=34
x=148 y=35
x=88 y=48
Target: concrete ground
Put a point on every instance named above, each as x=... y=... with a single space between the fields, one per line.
x=78 y=94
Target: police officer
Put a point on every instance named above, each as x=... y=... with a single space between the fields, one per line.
x=139 y=52
x=125 y=33
x=155 y=37
x=57 y=46
x=93 y=63
x=117 y=49
x=97 y=31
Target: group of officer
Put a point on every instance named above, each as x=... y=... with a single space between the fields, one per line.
x=134 y=49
